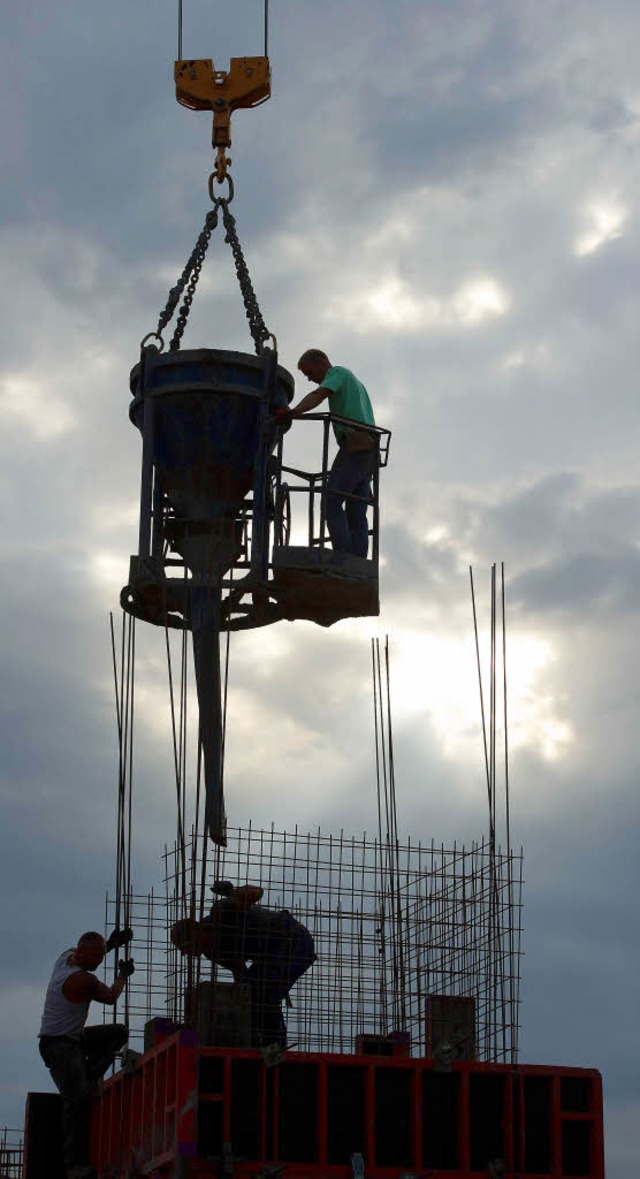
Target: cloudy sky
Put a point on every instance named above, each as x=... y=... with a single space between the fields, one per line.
x=442 y=194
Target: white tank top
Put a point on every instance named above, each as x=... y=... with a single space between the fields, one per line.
x=61 y=1017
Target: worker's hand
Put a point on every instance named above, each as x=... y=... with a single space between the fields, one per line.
x=222 y=888
x=118 y=938
x=126 y=967
x=283 y=417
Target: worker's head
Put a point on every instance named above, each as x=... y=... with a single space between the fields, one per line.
x=90 y=950
x=314 y=365
x=190 y=937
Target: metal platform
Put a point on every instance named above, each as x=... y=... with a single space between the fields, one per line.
x=323 y=586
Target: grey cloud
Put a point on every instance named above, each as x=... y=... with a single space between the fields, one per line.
x=562 y=512
x=483 y=135
x=414 y=566
x=584 y=581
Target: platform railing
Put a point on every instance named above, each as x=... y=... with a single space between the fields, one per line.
x=312 y=484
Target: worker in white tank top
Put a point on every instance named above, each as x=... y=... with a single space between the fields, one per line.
x=78 y=1056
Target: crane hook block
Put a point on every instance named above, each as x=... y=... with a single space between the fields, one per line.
x=199 y=86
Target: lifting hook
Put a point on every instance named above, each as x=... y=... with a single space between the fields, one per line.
x=200 y=87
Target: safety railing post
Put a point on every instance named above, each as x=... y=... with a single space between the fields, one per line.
x=325 y=476
x=375 y=537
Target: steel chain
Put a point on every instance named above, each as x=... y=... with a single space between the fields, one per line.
x=259 y=330
x=191 y=273
x=175 y=293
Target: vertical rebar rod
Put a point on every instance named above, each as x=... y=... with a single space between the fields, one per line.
x=492 y=822
x=395 y=853
x=513 y=1049
x=482 y=710
x=381 y=776
x=506 y=718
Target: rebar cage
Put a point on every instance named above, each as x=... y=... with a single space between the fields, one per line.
x=397 y=928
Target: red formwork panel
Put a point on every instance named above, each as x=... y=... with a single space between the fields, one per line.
x=226 y=1111
x=149 y=1114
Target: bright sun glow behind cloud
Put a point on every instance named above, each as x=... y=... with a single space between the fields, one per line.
x=437 y=675
x=392 y=304
x=28 y=404
x=396 y=305
x=604 y=221
x=479 y=299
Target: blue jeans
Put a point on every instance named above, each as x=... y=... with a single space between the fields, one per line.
x=76 y=1065
x=350 y=475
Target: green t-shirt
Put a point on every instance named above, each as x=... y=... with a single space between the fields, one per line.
x=348 y=398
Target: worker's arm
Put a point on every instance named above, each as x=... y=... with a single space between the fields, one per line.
x=82 y=987
x=311 y=401
x=247 y=894
x=242 y=895
x=237 y=966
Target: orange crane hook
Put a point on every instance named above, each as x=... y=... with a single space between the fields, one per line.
x=199 y=86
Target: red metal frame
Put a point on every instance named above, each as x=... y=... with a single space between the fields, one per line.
x=149 y=1114
x=149 y=1117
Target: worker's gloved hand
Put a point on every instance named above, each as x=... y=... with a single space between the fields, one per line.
x=126 y=967
x=118 y=938
x=283 y=417
x=222 y=888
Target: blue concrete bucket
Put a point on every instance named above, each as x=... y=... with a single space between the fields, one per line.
x=209 y=408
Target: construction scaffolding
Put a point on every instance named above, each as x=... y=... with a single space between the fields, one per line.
x=11 y=1153
x=401 y=930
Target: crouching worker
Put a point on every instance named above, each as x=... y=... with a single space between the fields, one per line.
x=239 y=931
x=78 y=1057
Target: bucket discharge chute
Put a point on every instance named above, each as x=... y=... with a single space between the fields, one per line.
x=204 y=417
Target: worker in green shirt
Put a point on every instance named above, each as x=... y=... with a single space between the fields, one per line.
x=349 y=481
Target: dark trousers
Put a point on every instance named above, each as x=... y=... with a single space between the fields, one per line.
x=76 y=1065
x=271 y=978
x=350 y=475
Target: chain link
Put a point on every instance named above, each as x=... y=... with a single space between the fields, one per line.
x=259 y=330
x=191 y=273
x=190 y=276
